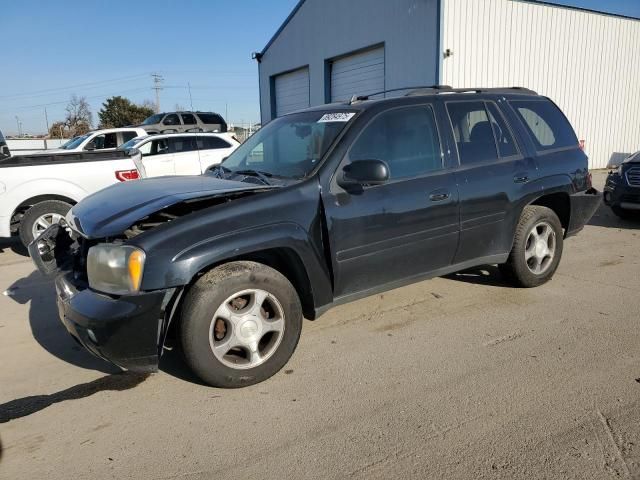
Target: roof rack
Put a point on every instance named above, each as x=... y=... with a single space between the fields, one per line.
x=446 y=89
x=360 y=98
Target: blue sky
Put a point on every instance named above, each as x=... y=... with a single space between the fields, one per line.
x=101 y=48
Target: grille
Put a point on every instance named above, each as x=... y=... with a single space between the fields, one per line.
x=633 y=176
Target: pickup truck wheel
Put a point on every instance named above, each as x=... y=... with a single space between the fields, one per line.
x=537 y=248
x=241 y=323
x=40 y=217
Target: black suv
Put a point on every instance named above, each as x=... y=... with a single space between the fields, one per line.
x=320 y=207
x=622 y=190
x=183 y=122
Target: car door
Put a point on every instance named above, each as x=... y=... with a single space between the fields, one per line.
x=186 y=158
x=491 y=175
x=212 y=151
x=156 y=158
x=406 y=227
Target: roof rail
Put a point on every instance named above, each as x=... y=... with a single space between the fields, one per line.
x=359 y=98
x=432 y=90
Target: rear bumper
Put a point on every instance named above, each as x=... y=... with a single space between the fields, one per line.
x=583 y=206
x=125 y=331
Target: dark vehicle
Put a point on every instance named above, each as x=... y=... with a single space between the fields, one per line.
x=4 y=149
x=622 y=190
x=320 y=207
x=183 y=122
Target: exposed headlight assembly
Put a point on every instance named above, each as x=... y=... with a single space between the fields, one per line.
x=115 y=269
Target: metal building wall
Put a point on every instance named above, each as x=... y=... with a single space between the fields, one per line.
x=323 y=30
x=588 y=63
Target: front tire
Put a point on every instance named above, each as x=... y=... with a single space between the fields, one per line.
x=537 y=248
x=39 y=217
x=241 y=323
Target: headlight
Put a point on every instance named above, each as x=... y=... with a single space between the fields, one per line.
x=115 y=269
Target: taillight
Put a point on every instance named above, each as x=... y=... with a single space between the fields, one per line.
x=581 y=144
x=124 y=175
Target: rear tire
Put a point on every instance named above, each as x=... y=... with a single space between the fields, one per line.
x=39 y=216
x=537 y=248
x=241 y=323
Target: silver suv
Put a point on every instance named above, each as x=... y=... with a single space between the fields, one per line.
x=181 y=122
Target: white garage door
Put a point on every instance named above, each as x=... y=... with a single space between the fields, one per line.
x=292 y=91
x=358 y=74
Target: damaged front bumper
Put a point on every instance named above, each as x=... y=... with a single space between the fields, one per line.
x=125 y=330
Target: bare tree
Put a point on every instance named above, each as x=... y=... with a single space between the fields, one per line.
x=79 y=117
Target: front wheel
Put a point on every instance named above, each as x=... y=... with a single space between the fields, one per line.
x=241 y=323
x=537 y=248
x=40 y=217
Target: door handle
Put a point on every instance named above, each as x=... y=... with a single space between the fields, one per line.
x=520 y=179
x=439 y=197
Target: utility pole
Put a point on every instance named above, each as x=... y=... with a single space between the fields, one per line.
x=46 y=119
x=157 y=86
x=190 y=97
x=19 y=123
x=226 y=111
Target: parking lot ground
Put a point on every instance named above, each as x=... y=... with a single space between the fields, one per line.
x=458 y=377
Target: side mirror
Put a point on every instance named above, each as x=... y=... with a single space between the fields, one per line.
x=364 y=172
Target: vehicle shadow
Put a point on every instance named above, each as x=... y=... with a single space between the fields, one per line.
x=484 y=275
x=46 y=327
x=604 y=217
x=14 y=245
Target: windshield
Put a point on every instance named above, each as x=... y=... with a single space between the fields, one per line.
x=75 y=142
x=289 y=146
x=153 y=119
x=131 y=143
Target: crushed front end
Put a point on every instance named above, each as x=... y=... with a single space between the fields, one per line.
x=127 y=330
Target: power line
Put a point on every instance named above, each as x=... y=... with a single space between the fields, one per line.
x=71 y=87
x=93 y=97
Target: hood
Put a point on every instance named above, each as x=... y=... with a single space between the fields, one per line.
x=633 y=158
x=111 y=211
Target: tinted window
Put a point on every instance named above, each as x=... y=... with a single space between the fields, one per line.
x=210 y=118
x=188 y=119
x=548 y=126
x=504 y=138
x=153 y=119
x=207 y=143
x=171 y=119
x=107 y=140
x=407 y=139
x=182 y=144
x=155 y=147
x=472 y=131
x=126 y=136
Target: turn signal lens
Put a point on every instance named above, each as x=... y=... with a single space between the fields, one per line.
x=136 y=264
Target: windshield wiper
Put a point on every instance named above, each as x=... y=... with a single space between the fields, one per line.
x=264 y=176
x=219 y=171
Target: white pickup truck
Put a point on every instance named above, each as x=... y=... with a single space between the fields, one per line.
x=37 y=190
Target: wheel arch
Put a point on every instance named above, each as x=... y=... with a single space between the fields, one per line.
x=560 y=203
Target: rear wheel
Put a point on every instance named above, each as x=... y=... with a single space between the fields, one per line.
x=40 y=217
x=240 y=324
x=537 y=248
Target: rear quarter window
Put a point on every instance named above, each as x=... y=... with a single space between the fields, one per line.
x=548 y=126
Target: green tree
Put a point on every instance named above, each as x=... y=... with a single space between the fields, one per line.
x=121 y=112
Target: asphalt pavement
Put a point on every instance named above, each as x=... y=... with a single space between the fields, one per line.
x=460 y=377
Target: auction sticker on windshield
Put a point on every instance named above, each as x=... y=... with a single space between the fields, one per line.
x=336 y=117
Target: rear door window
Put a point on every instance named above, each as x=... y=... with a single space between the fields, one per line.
x=210 y=143
x=188 y=119
x=473 y=132
x=504 y=138
x=182 y=144
x=548 y=126
x=106 y=140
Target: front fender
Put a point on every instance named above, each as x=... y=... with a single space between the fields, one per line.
x=185 y=265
